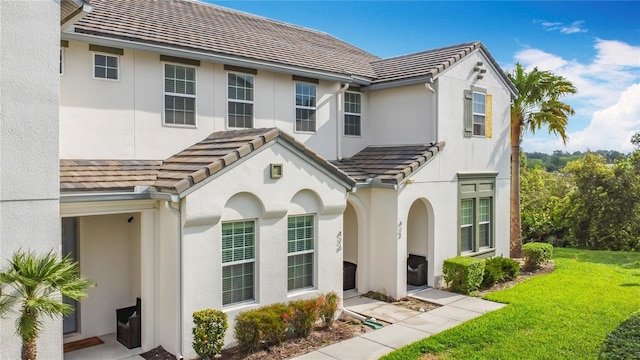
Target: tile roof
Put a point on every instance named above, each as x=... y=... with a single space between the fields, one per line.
x=183 y=170
x=388 y=164
x=211 y=29
x=221 y=149
x=95 y=175
x=422 y=64
x=68 y=8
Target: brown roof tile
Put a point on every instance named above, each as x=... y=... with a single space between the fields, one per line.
x=94 y=175
x=212 y=29
x=388 y=164
x=422 y=64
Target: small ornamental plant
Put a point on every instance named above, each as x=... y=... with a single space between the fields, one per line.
x=209 y=329
x=535 y=254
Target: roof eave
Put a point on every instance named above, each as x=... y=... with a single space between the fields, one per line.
x=82 y=11
x=399 y=83
x=219 y=58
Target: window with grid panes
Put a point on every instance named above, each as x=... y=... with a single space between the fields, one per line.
x=240 y=100
x=238 y=262
x=352 y=114
x=479 y=113
x=301 y=244
x=105 y=67
x=305 y=107
x=179 y=95
x=476 y=213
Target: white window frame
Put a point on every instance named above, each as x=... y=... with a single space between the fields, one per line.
x=474 y=114
x=193 y=96
x=304 y=252
x=241 y=262
x=106 y=55
x=348 y=113
x=252 y=102
x=304 y=107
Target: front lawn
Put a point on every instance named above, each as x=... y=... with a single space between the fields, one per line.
x=562 y=315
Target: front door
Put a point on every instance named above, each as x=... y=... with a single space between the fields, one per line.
x=70 y=247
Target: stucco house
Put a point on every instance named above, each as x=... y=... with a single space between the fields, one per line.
x=216 y=159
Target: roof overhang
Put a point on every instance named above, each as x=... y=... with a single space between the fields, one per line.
x=81 y=11
x=399 y=83
x=213 y=57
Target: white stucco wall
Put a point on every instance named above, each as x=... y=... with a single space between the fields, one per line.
x=403 y=115
x=122 y=119
x=247 y=192
x=29 y=48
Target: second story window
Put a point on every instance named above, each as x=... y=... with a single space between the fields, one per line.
x=240 y=101
x=105 y=66
x=352 y=114
x=179 y=95
x=305 y=107
x=479 y=114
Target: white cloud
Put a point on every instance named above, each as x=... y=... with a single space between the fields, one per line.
x=573 y=28
x=610 y=128
x=601 y=84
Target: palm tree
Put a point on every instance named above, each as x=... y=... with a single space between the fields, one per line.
x=537 y=104
x=36 y=282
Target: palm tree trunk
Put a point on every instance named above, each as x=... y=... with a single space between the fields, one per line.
x=29 y=349
x=516 y=233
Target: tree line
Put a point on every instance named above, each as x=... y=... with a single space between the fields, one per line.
x=559 y=159
x=590 y=202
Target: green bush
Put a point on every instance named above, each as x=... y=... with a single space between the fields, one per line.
x=623 y=342
x=463 y=274
x=328 y=308
x=305 y=313
x=266 y=325
x=536 y=254
x=208 y=332
x=499 y=269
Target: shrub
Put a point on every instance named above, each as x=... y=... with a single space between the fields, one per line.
x=208 y=332
x=328 y=308
x=305 y=313
x=536 y=254
x=463 y=274
x=499 y=269
x=266 y=325
x=623 y=341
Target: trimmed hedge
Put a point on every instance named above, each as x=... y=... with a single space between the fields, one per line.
x=536 y=254
x=498 y=270
x=209 y=327
x=623 y=342
x=463 y=274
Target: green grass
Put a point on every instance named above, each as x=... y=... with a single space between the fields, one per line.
x=562 y=315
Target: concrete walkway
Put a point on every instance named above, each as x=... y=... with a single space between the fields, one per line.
x=407 y=326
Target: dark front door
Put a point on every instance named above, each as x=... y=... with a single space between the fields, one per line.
x=70 y=246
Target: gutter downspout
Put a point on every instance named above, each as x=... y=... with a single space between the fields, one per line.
x=180 y=298
x=339 y=122
x=428 y=86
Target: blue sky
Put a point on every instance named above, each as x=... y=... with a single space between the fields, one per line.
x=595 y=44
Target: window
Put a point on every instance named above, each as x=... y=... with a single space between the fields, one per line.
x=240 y=101
x=179 y=95
x=238 y=262
x=476 y=213
x=478 y=114
x=105 y=67
x=352 y=113
x=301 y=242
x=305 y=107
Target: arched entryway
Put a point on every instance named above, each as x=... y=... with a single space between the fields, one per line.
x=350 y=248
x=419 y=243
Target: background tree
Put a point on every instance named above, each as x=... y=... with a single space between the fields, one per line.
x=635 y=140
x=538 y=104
x=35 y=283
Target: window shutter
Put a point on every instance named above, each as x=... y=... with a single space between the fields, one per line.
x=488 y=131
x=468 y=117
